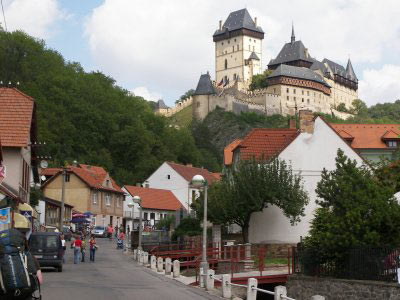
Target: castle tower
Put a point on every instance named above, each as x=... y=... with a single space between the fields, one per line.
x=238 y=48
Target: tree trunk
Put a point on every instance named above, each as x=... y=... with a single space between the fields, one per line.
x=245 y=233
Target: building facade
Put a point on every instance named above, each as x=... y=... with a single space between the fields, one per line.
x=88 y=188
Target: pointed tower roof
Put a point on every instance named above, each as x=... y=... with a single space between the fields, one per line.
x=254 y=56
x=205 y=86
x=293 y=37
x=350 y=71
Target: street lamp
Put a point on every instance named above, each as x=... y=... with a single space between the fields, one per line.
x=198 y=181
x=136 y=199
x=131 y=204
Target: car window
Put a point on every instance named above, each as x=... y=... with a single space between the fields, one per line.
x=99 y=228
x=41 y=242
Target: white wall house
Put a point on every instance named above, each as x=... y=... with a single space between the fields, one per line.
x=157 y=204
x=177 y=178
x=308 y=154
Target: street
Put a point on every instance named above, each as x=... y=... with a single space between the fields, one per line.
x=114 y=276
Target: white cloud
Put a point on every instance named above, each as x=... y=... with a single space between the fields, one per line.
x=35 y=17
x=380 y=85
x=166 y=45
x=142 y=91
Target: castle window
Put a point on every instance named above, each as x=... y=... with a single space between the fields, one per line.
x=222 y=43
x=229 y=41
x=274 y=90
x=294 y=98
x=198 y=104
x=287 y=90
x=302 y=99
x=233 y=48
x=287 y=97
x=237 y=47
x=294 y=91
x=302 y=92
x=226 y=64
x=235 y=40
x=308 y=101
x=308 y=93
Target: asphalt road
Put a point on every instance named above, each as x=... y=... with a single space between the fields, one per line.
x=112 y=276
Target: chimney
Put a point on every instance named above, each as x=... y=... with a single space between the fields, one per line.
x=138 y=184
x=306 y=117
x=220 y=24
x=292 y=124
x=255 y=21
x=189 y=165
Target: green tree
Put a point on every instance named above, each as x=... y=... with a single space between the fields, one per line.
x=342 y=107
x=250 y=187
x=259 y=81
x=188 y=94
x=359 y=108
x=356 y=209
x=187 y=227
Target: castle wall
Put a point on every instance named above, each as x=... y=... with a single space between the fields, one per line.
x=167 y=112
x=342 y=94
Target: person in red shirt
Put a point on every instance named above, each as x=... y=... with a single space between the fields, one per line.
x=109 y=231
x=77 y=249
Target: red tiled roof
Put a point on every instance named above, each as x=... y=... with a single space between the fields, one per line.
x=155 y=198
x=16 y=111
x=390 y=135
x=228 y=151
x=188 y=172
x=93 y=176
x=265 y=142
x=368 y=136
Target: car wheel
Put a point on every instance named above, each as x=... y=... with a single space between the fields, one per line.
x=59 y=268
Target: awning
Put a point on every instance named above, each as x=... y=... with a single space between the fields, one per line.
x=20 y=221
x=25 y=207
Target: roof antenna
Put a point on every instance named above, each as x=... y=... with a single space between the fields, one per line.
x=4 y=16
x=292 y=38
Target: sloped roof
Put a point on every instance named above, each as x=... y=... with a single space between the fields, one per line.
x=228 y=154
x=155 y=198
x=188 y=172
x=368 y=136
x=317 y=65
x=205 y=86
x=266 y=142
x=345 y=135
x=390 y=135
x=161 y=104
x=239 y=19
x=291 y=52
x=254 y=56
x=16 y=115
x=93 y=176
x=350 y=71
x=298 y=72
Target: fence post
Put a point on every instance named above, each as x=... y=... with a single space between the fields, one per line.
x=167 y=266
x=226 y=287
x=160 y=264
x=153 y=262
x=146 y=258
x=280 y=291
x=177 y=268
x=251 y=293
x=317 y=297
x=141 y=257
x=210 y=279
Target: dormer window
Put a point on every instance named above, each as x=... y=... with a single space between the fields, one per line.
x=392 y=144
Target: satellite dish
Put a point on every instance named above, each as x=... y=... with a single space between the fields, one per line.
x=44 y=164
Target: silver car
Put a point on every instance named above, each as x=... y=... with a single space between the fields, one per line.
x=99 y=231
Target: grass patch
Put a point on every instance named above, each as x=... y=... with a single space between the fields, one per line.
x=182 y=118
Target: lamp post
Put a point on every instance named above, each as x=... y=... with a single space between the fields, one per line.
x=136 y=199
x=131 y=204
x=198 y=181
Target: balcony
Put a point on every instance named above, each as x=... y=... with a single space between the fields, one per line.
x=131 y=215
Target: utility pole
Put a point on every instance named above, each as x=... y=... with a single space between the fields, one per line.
x=62 y=199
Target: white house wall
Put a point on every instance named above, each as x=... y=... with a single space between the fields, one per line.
x=309 y=154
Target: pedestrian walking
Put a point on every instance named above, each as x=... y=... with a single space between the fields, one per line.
x=83 y=250
x=116 y=230
x=63 y=247
x=92 y=248
x=77 y=249
x=109 y=232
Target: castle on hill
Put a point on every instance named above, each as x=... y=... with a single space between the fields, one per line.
x=297 y=80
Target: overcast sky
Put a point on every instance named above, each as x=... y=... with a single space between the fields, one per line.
x=159 y=49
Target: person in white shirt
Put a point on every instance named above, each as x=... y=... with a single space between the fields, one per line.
x=63 y=247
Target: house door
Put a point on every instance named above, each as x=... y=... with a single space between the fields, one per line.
x=111 y=221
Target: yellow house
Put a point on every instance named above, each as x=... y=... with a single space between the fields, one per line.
x=87 y=188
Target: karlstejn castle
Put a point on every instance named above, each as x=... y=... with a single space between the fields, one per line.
x=297 y=80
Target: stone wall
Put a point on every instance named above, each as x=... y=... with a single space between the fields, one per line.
x=303 y=287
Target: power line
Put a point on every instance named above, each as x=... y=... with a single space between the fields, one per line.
x=4 y=16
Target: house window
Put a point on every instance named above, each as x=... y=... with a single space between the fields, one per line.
x=67 y=177
x=168 y=176
x=226 y=64
x=152 y=216
x=94 y=197
x=108 y=199
x=145 y=216
x=392 y=144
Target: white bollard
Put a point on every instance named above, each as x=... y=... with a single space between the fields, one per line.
x=138 y=255
x=210 y=279
x=226 y=286
x=141 y=257
x=201 y=277
x=251 y=293
x=177 y=269
x=153 y=262
x=160 y=264
x=280 y=291
x=145 y=258
x=168 y=266
x=317 y=297
x=134 y=254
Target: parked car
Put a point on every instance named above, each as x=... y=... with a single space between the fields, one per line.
x=46 y=247
x=67 y=233
x=99 y=231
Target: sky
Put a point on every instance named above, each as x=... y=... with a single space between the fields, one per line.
x=158 y=49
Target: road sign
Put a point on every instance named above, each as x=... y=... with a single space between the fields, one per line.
x=2 y=173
